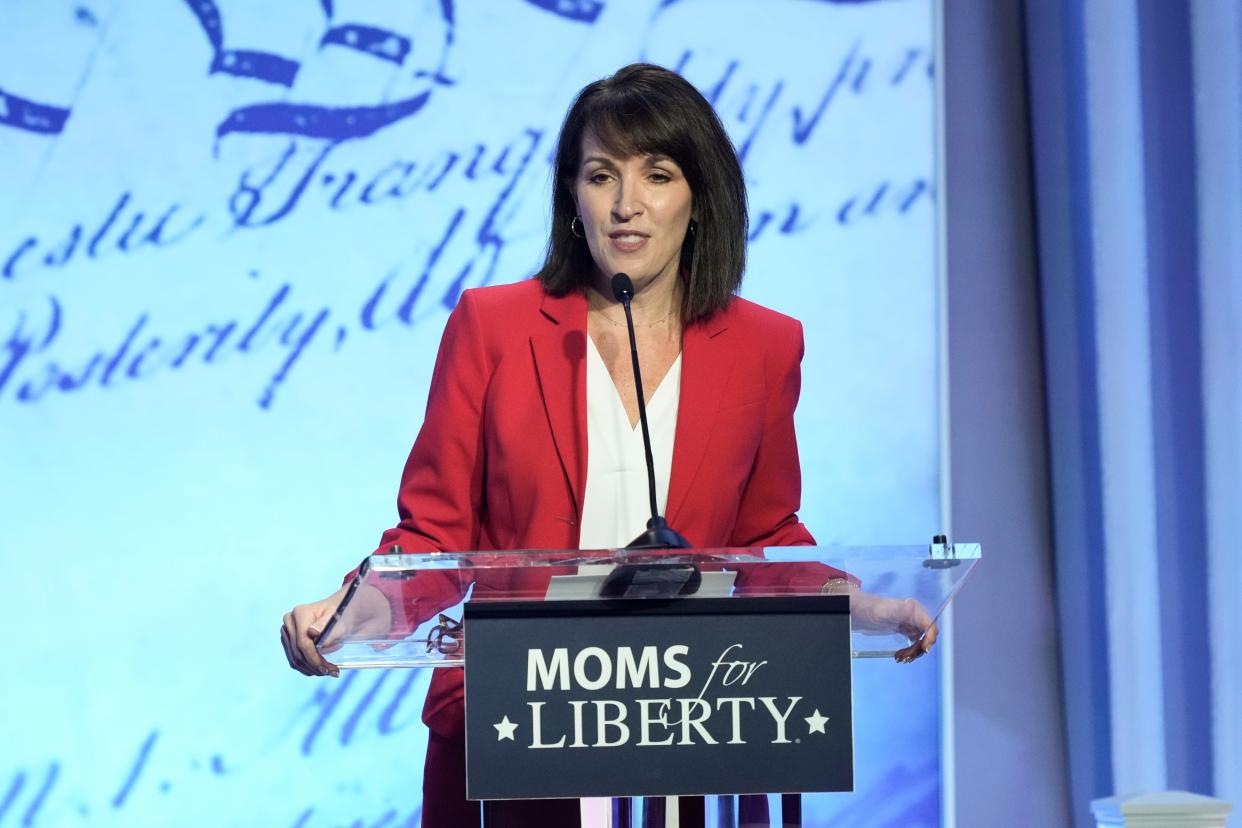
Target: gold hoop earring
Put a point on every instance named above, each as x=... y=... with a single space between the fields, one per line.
x=576 y=233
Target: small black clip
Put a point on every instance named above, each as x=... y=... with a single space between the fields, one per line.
x=948 y=562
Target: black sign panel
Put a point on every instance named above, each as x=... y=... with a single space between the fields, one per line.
x=648 y=697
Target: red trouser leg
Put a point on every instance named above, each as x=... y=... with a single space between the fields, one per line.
x=444 y=785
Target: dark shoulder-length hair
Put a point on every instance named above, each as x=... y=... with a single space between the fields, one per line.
x=648 y=110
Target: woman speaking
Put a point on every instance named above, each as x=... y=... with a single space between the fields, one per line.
x=530 y=438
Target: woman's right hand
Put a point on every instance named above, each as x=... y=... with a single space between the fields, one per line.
x=302 y=626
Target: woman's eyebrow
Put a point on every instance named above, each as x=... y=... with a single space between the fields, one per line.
x=597 y=159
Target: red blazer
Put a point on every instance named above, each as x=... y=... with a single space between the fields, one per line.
x=500 y=461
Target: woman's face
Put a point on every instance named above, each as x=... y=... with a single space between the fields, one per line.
x=635 y=212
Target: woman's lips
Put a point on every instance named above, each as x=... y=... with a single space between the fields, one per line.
x=628 y=242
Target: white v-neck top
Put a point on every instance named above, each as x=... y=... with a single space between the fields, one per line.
x=615 y=505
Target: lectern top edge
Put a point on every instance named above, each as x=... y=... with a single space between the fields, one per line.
x=405 y=610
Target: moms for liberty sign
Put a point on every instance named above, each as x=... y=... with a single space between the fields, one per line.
x=636 y=698
x=230 y=235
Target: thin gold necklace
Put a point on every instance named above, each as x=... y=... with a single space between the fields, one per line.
x=599 y=310
x=614 y=323
x=648 y=325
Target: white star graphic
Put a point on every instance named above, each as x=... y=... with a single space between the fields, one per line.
x=504 y=729
x=816 y=722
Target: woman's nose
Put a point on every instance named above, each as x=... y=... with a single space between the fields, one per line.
x=627 y=204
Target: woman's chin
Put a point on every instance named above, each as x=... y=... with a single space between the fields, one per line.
x=641 y=273
x=641 y=270
x=633 y=267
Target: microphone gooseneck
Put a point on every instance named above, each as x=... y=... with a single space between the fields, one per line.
x=623 y=292
x=658 y=535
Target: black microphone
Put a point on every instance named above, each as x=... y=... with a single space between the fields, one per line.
x=659 y=534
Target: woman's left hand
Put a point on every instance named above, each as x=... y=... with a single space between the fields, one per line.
x=906 y=616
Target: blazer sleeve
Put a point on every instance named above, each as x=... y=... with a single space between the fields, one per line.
x=768 y=510
x=441 y=498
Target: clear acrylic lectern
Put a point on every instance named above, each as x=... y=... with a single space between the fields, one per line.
x=406 y=610
x=418 y=623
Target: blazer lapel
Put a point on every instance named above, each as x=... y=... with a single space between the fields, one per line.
x=559 y=349
x=706 y=371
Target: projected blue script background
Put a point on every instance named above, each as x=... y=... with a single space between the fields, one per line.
x=230 y=235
